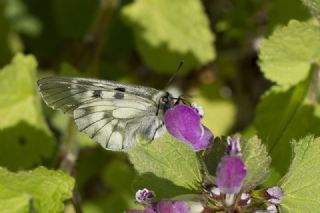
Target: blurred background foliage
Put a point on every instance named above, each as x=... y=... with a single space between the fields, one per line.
x=139 y=42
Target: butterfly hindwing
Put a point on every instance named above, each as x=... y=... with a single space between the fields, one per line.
x=110 y=113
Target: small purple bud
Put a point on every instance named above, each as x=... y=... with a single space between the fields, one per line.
x=245 y=199
x=144 y=196
x=216 y=193
x=274 y=194
x=233 y=147
x=272 y=209
x=183 y=122
x=230 y=174
x=166 y=206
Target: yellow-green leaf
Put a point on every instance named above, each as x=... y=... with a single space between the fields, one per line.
x=167 y=31
x=25 y=138
x=40 y=189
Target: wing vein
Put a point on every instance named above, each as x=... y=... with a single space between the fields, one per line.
x=108 y=140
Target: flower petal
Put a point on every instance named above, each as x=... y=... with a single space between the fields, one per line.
x=274 y=194
x=167 y=206
x=183 y=122
x=141 y=211
x=231 y=172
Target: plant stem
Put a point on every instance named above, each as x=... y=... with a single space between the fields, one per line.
x=95 y=39
x=314 y=86
x=70 y=150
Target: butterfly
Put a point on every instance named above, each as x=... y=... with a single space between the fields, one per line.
x=111 y=113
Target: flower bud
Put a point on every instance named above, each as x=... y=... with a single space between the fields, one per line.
x=230 y=174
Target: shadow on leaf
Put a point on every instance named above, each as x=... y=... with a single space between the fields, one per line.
x=163 y=188
x=23 y=146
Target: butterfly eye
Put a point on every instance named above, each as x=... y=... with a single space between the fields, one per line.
x=166 y=102
x=164 y=99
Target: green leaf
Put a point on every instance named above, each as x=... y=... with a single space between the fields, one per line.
x=213 y=155
x=287 y=55
x=25 y=138
x=301 y=184
x=11 y=201
x=282 y=116
x=45 y=189
x=167 y=166
x=167 y=31
x=257 y=160
x=123 y=180
x=314 y=7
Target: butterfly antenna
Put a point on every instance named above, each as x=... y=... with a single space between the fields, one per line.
x=173 y=77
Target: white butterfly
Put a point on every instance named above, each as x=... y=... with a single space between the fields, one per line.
x=113 y=114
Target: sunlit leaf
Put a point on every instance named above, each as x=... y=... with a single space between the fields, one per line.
x=167 y=166
x=167 y=31
x=287 y=55
x=301 y=184
x=25 y=138
x=41 y=189
x=257 y=160
x=281 y=116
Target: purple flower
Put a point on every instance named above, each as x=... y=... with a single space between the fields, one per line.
x=141 y=211
x=144 y=196
x=230 y=174
x=274 y=194
x=167 y=206
x=183 y=122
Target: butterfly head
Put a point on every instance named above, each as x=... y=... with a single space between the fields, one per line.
x=166 y=101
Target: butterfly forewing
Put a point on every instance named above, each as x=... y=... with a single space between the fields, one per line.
x=113 y=114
